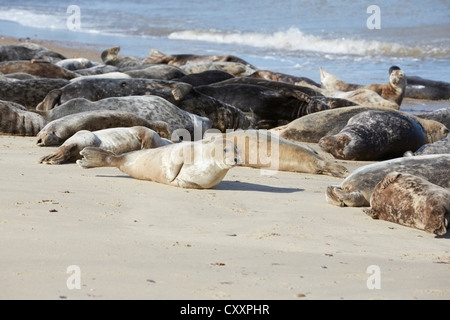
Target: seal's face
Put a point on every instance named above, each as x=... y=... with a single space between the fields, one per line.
x=225 y=153
x=397 y=78
x=48 y=138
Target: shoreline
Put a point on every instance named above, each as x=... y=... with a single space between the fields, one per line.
x=252 y=237
x=66 y=48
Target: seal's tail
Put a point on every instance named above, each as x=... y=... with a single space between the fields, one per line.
x=96 y=157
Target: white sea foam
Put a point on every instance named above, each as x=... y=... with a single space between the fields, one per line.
x=294 y=39
x=43 y=20
x=34 y=19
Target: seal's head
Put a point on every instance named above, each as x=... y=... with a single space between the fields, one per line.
x=397 y=78
x=393 y=68
x=223 y=152
x=48 y=138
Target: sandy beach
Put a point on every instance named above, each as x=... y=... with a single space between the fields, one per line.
x=252 y=237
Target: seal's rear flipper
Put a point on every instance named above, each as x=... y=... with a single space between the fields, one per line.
x=51 y=100
x=96 y=157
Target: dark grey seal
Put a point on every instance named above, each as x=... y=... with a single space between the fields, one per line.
x=375 y=135
x=357 y=188
x=29 y=93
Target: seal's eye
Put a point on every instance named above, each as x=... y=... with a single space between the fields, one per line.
x=225 y=150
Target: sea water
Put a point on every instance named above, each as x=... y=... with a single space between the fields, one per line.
x=347 y=38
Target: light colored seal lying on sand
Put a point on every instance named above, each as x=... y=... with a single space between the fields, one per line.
x=393 y=91
x=411 y=201
x=262 y=150
x=199 y=165
x=312 y=127
x=116 y=140
x=357 y=188
x=58 y=131
x=375 y=135
x=438 y=147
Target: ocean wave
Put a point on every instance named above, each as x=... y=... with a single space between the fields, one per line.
x=294 y=39
x=34 y=19
x=58 y=20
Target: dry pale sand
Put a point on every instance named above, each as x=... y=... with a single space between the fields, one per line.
x=252 y=237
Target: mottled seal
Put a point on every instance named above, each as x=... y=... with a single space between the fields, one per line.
x=100 y=69
x=116 y=140
x=235 y=68
x=147 y=107
x=183 y=95
x=28 y=51
x=29 y=93
x=416 y=87
x=357 y=188
x=156 y=56
x=262 y=150
x=199 y=165
x=441 y=115
x=97 y=89
x=276 y=85
x=110 y=57
x=265 y=103
x=375 y=135
x=411 y=201
x=281 y=77
x=58 y=131
x=74 y=64
x=363 y=97
x=15 y=119
x=160 y=72
x=438 y=147
x=18 y=76
x=37 y=68
x=312 y=127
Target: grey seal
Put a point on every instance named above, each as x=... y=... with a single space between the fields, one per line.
x=375 y=135
x=357 y=188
